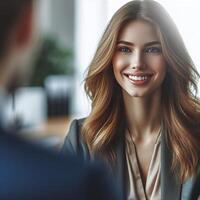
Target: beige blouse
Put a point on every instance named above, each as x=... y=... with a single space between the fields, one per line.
x=135 y=188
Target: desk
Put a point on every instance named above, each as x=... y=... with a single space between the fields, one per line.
x=50 y=133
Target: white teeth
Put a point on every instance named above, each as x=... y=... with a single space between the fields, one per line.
x=137 y=78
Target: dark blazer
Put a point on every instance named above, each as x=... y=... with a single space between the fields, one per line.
x=171 y=189
x=28 y=172
x=195 y=193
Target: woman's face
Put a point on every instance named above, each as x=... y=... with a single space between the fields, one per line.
x=138 y=63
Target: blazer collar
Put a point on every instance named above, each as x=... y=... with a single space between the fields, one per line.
x=120 y=168
x=170 y=186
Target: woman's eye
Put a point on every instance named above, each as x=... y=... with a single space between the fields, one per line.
x=124 y=49
x=153 y=50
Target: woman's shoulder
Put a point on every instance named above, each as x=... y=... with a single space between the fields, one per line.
x=77 y=124
x=74 y=133
x=74 y=142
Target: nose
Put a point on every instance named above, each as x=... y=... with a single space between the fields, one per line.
x=137 y=60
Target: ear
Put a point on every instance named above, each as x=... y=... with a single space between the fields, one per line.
x=23 y=28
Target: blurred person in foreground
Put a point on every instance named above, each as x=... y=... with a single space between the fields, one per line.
x=28 y=171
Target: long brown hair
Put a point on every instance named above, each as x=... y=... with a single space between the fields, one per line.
x=180 y=106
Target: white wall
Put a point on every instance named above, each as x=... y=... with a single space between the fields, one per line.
x=62 y=20
x=90 y=22
x=57 y=17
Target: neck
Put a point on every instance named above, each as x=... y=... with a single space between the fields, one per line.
x=143 y=114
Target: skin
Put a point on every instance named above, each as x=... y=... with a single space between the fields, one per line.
x=139 y=51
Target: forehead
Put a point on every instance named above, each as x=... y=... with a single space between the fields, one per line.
x=138 y=32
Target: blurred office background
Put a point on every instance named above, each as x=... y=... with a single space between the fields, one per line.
x=68 y=34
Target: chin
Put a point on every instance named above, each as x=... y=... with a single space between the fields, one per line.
x=134 y=94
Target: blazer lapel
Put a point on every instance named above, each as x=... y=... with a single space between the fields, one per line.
x=121 y=163
x=170 y=186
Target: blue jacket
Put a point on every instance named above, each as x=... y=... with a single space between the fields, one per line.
x=28 y=172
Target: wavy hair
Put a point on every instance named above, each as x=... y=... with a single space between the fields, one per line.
x=180 y=105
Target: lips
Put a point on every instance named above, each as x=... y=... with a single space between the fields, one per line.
x=138 y=78
x=138 y=74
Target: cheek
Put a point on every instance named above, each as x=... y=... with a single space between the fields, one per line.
x=162 y=67
x=118 y=63
x=159 y=65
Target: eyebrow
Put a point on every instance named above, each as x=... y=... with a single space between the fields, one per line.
x=132 y=44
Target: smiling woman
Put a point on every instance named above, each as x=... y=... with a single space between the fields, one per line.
x=145 y=117
x=138 y=63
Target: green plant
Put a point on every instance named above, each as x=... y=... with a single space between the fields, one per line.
x=52 y=58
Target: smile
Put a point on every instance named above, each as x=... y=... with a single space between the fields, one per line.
x=138 y=80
